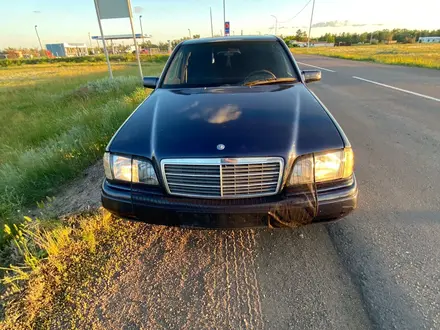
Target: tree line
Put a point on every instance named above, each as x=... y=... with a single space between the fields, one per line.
x=380 y=36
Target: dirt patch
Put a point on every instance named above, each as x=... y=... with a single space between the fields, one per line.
x=167 y=278
x=81 y=195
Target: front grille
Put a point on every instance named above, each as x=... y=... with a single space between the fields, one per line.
x=223 y=177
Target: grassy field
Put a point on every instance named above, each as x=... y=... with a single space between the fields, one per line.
x=55 y=120
x=420 y=55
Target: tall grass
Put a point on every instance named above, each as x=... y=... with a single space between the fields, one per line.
x=53 y=129
x=419 y=55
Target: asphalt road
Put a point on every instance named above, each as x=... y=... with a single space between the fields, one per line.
x=378 y=268
x=390 y=245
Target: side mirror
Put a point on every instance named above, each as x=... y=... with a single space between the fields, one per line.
x=150 y=82
x=311 y=75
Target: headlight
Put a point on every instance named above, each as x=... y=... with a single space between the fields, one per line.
x=129 y=169
x=322 y=167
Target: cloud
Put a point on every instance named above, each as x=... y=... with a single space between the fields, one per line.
x=138 y=9
x=340 y=24
x=36 y=12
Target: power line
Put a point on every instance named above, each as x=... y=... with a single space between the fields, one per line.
x=297 y=13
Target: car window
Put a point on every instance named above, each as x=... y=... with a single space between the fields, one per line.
x=227 y=63
x=174 y=69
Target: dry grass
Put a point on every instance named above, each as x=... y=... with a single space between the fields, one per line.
x=419 y=55
x=58 y=260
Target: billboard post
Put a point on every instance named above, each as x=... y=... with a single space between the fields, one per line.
x=98 y=15
x=135 y=41
x=106 y=9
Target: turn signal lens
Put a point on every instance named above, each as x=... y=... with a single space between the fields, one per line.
x=302 y=171
x=348 y=163
x=107 y=168
x=121 y=168
x=143 y=172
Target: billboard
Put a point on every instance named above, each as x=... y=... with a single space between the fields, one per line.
x=113 y=9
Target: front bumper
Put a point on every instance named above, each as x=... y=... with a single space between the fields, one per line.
x=154 y=206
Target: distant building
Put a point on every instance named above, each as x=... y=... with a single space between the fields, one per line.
x=11 y=54
x=429 y=39
x=314 y=44
x=68 y=49
x=322 y=44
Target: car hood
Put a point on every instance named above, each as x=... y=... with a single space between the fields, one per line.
x=271 y=120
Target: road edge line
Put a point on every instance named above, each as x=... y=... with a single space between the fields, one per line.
x=314 y=66
x=398 y=89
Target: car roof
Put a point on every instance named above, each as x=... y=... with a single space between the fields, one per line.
x=230 y=38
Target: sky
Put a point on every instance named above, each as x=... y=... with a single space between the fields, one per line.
x=71 y=21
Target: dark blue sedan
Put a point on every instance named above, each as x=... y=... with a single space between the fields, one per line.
x=230 y=137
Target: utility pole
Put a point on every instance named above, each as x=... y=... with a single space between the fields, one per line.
x=90 y=41
x=241 y=32
x=142 y=30
x=38 y=36
x=276 y=22
x=224 y=17
x=210 y=14
x=189 y=31
x=371 y=38
x=310 y=27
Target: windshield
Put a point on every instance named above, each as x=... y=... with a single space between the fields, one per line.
x=228 y=63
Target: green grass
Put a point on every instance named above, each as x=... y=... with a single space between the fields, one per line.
x=418 y=55
x=55 y=120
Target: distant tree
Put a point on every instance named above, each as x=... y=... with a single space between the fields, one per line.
x=288 y=39
x=196 y=36
x=363 y=37
x=148 y=44
x=175 y=42
x=163 y=46
x=330 y=39
x=301 y=35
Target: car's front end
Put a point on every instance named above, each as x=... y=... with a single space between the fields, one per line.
x=234 y=153
x=231 y=192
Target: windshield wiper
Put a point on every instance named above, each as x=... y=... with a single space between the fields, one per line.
x=270 y=81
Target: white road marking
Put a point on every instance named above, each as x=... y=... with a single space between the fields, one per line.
x=314 y=66
x=398 y=89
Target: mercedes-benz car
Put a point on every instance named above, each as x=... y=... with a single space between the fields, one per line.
x=231 y=136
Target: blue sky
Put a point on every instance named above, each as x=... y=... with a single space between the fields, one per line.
x=71 y=21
